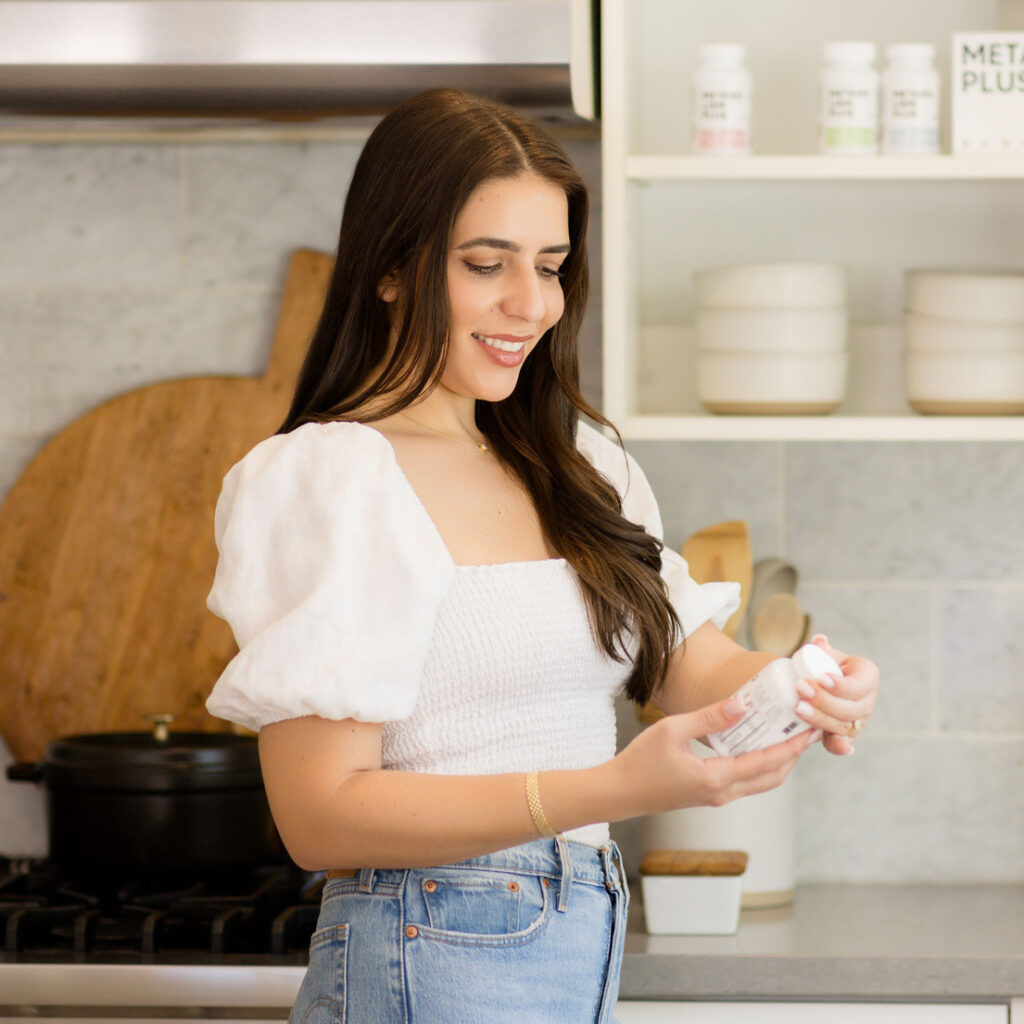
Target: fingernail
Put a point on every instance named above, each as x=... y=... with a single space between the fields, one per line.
x=816 y=735
x=819 y=636
x=851 y=751
x=804 y=688
x=803 y=709
x=828 y=682
x=735 y=706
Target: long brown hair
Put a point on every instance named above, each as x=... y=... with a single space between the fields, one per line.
x=415 y=173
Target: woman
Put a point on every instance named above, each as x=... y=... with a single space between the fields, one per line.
x=439 y=580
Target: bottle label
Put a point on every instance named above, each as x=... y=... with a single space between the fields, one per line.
x=910 y=121
x=849 y=119
x=766 y=722
x=721 y=121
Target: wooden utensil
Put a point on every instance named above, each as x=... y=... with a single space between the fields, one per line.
x=770 y=576
x=722 y=553
x=107 y=550
x=780 y=625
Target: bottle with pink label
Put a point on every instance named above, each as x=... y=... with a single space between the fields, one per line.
x=721 y=101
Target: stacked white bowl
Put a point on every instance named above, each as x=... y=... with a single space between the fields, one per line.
x=963 y=334
x=771 y=338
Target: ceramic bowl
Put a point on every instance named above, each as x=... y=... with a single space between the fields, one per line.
x=771 y=382
x=932 y=334
x=995 y=296
x=771 y=285
x=985 y=383
x=798 y=329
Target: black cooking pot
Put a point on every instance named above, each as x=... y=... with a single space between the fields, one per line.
x=156 y=799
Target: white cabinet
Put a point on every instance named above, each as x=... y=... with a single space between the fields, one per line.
x=666 y=213
x=628 y=1012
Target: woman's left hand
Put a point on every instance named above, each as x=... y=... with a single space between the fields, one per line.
x=839 y=710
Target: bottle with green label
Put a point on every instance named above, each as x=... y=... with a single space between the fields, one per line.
x=848 y=123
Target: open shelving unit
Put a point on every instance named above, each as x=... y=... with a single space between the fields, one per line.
x=667 y=213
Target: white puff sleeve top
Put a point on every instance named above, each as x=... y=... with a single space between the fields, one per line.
x=344 y=600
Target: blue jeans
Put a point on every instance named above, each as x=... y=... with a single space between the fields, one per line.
x=529 y=935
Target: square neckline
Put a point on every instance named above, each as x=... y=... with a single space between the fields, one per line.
x=407 y=484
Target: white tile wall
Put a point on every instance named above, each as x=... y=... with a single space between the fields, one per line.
x=124 y=264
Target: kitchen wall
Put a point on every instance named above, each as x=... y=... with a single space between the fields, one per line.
x=131 y=260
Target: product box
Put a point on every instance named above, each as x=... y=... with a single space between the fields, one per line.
x=987 y=90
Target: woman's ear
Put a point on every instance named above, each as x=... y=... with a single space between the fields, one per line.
x=387 y=290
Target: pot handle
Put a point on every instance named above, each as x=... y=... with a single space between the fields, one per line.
x=25 y=771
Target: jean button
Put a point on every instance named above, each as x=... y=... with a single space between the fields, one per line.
x=430 y=886
x=411 y=932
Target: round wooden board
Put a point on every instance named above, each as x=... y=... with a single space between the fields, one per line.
x=107 y=550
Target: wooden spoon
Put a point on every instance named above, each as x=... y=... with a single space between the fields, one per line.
x=780 y=625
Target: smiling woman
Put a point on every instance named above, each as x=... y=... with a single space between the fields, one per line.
x=440 y=578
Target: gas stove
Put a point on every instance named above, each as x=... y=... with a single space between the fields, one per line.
x=80 y=946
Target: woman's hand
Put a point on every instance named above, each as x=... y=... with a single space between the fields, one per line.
x=839 y=707
x=658 y=771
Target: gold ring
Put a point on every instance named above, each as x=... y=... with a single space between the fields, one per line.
x=855 y=727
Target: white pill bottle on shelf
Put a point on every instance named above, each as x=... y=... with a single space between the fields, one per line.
x=721 y=101
x=848 y=121
x=910 y=100
x=771 y=698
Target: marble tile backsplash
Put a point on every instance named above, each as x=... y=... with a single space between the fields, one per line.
x=124 y=264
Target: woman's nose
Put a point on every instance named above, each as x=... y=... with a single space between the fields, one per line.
x=525 y=297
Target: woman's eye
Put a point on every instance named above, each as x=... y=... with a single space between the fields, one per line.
x=552 y=273
x=483 y=269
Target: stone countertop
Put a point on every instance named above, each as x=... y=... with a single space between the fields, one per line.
x=956 y=943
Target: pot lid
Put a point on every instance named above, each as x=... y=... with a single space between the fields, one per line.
x=144 y=761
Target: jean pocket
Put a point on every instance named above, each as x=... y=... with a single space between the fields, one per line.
x=322 y=998
x=498 y=910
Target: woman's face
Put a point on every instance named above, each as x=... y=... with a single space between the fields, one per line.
x=504 y=284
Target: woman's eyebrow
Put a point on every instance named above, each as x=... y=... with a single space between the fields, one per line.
x=503 y=243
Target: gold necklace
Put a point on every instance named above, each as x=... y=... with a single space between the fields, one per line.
x=451 y=437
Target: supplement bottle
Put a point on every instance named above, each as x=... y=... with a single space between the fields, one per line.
x=910 y=100
x=771 y=699
x=848 y=124
x=721 y=101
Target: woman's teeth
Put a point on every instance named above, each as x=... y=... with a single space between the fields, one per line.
x=505 y=346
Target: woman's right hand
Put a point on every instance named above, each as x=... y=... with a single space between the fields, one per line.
x=659 y=772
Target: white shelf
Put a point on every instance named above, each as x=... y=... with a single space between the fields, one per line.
x=834 y=427
x=645 y=168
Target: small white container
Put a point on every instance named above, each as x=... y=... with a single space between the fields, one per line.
x=702 y=897
x=771 y=382
x=848 y=120
x=986 y=296
x=720 y=120
x=971 y=383
x=794 y=330
x=685 y=905
x=771 y=699
x=771 y=284
x=932 y=334
x=910 y=100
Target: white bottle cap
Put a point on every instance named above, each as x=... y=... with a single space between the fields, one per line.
x=813 y=663
x=849 y=53
x=722 y=54
x=910 y=53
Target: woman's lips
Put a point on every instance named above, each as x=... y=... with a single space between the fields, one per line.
x=504 y=349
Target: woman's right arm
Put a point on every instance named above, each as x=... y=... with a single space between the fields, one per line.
x=335 y=807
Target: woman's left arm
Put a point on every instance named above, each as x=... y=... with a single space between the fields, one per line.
x=709 y=667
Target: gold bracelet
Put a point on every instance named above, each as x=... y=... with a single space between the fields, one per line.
x=536 y=810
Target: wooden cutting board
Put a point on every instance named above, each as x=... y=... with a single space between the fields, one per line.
x=107 y=550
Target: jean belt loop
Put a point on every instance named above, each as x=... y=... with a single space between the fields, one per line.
x=566 y=887
x=612 y=864
x=366 y=879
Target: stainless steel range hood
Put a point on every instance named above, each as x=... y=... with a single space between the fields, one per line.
x=290 y=58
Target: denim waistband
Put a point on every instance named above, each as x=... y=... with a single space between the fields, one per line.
x=562 y=861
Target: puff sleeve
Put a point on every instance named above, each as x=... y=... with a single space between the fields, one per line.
x=694 y=603
x=330 y=576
